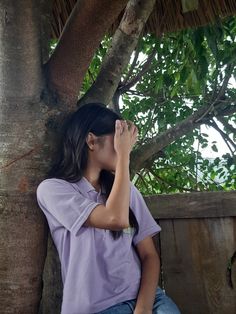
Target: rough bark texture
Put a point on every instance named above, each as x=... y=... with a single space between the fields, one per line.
x=123 y=43
x=20 y=58
x=82 y=34
x=22 y=226
x=52 y=282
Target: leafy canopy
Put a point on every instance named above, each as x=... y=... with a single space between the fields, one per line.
x=186 y=70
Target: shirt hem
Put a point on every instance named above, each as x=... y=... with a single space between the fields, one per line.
x=105 y=306
x=117 y=301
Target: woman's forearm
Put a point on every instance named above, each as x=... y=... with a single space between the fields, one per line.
x=148 y=285
x=118 y=200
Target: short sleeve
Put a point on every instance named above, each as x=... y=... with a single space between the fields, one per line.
x=62 y=203
x=147 y=224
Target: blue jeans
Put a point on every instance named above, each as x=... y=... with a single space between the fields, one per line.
x=162 y=305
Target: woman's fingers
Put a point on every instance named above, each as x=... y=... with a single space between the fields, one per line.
x=135 y=130
x=127 y=126
x=125 y=136
x=118 y=127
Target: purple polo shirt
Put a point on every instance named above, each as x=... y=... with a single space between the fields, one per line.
x=97 y=271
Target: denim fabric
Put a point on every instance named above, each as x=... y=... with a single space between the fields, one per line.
x=162 y=305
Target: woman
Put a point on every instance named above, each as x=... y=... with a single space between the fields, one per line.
x=99 y=221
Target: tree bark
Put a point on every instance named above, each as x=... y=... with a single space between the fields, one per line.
x=88 y=22
x=52 y=282
x=20 y=59
x=123 y=43
x=23 y=227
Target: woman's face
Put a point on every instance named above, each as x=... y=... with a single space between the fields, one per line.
x=105 y=152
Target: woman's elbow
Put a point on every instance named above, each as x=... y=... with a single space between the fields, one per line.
x=118 y=224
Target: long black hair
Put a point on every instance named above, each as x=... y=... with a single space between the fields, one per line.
x=72 y=152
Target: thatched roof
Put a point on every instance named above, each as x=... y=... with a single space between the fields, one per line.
x=167 y=16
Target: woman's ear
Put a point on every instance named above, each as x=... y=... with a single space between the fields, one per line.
x=91 y=140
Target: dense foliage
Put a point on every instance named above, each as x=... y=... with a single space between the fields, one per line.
x=181 y=72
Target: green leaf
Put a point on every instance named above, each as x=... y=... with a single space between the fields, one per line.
x=158 y=84
x=184 y=74
x=214 y=148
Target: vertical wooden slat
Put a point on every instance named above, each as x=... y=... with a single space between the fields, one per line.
x=195 y=253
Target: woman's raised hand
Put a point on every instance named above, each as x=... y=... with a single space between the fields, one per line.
x=125 y=137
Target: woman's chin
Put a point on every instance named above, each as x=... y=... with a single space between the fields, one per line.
x=111 y=169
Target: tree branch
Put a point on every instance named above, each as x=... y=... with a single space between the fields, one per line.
x=228 y=73
x=115 y=105
x=136 y=55
x=123 y=43
x=140 y=176
x=225 y=137
x=81 y=36
x=148 y=150
x=144 y=69
x=171 y=184
x=226 y=124
x=228 y=111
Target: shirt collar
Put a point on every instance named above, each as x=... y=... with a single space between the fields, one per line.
x=85 y=186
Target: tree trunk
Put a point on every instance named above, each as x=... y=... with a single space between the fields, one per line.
x=80 y=38
x=28 y=136
x=117 y=58
x=52 y=282
x=22 y=225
